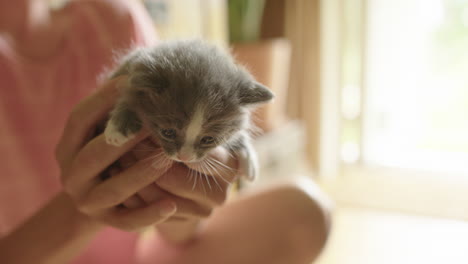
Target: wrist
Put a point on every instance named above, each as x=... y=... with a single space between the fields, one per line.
x=55 y=234
x=81 y=223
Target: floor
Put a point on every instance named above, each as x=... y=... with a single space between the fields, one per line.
x=366 y=236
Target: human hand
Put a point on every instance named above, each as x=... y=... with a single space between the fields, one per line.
x=197 y=188
x=83 y=159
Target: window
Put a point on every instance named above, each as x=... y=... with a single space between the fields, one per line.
x=405 y=84
x=400 y=71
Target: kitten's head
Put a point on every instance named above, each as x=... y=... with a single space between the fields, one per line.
x=193 y=97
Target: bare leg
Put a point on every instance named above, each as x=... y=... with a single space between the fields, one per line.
x=287 y=223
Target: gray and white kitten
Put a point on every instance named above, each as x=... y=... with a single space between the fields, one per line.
x=193 y=97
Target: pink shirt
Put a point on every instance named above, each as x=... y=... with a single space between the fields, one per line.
x=35 y=100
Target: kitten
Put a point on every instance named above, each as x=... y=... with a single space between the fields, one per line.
x=193 y=97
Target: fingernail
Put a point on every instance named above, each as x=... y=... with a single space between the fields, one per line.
x=167 y=208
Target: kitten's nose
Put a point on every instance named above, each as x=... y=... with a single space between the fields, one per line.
x=184 y=156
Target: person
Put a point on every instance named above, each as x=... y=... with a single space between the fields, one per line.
x=50 y=61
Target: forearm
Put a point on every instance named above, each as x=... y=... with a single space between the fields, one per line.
x=55 y=234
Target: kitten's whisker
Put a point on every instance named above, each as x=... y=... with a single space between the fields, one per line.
x=223 y=165
x=156 y=158
x=216 y=165
x=227 y=146
x=191 y=174
x=220 y=175
x=210 y=168
x=213 y=170
x=161 y=162
x=168 y=163
x=195 y=181
x=158 y=162
x=155 y=155
x=231 y=155
x=160 y=153
x=201 y=181
x=206 y=175
x=228 y=149
x=188 y=175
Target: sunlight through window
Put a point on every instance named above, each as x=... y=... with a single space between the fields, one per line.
x=415 y=95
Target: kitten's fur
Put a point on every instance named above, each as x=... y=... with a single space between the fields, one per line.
x=186 y=92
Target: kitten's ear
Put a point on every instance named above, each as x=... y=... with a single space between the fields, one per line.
x=254 y=93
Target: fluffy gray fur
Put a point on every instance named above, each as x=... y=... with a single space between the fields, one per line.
x=169 y=82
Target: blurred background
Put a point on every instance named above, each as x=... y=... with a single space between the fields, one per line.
x=372 y=102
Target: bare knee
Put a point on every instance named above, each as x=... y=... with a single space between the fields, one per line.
x=309 y=222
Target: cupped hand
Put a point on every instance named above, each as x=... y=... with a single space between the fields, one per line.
x=197 y=188
x=83 y=159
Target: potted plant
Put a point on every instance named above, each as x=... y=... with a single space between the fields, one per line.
x=267 y=59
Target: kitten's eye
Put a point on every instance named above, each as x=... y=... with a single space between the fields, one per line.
x=207 y=140
x=169 y=133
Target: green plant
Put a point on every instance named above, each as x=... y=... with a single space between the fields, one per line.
x=245 y=17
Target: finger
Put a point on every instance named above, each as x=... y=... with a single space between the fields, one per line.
x=94 y=158
x=119 y=188
x=134 y=202
x=134 y=219
x=186 y=208
x=84 y=117
x=196 y=186
x=151 y=193
x=190 y=209
x=127 y=160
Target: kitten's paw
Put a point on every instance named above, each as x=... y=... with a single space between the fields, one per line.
x=114 y=137
x=250 y=172
x=248 y=166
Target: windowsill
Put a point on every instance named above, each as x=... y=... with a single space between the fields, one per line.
x=367 y=236
x=411 y=191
